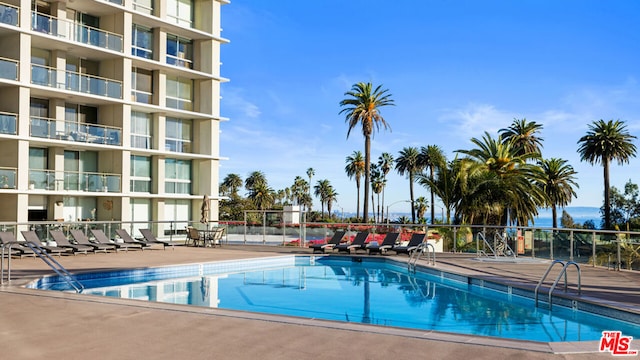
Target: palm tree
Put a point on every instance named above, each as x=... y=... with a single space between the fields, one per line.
x=523 y=135
x=421 y=207
x=385 y=162
x=377 y=184
x=362 y=107
x=330 y=197
x=558 y=183
x=604 y=142
x=232 y=182
x=323 y=189
x=255 y=179
x=299 y=188
x=355 y=169
x=310 y=173
x=407 y=163
x=262 y=196
x=430 y=157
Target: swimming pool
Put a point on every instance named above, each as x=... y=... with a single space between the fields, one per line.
x=353 y=289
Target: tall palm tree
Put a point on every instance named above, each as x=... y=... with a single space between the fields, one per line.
x=377 y=184
x=430 y=157
x=421 y=207
x=523 y=134
x=449 y=184
x=604 y=142
x=407 y=163
x=310 y=173
x=330 y=197
x=557 y=183
x=262 y=196
x=299 y=189
x=355 y=169
x=385 y=162
x=255 y=179
x=362 y=107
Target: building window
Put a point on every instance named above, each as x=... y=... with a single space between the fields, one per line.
x=143 y=6
x=178 y=135
x=177 y=176
x=140 y=130
x=181 y=11
x=179 y=93
x=141 y=85
x=142 y=42
x=179 y=51
x=140 y=173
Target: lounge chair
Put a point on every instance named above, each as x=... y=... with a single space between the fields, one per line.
x=62 y=241
x=124 y=235
x=151 y=239
x=17 y=248
x=31 y=236
x=335 y=240
x=358 y=243
x=102 y=238
x=387 y=244
x=416 y=239
x=82 y=239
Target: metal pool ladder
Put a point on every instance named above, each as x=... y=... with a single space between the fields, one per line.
x=555 y=283
x=421 y=249
x=56 y=266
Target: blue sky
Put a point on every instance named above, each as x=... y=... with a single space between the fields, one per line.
x=454 y=68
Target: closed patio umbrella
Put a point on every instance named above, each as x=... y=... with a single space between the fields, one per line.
x=204 y=210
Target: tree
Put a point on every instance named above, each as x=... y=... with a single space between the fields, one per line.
x=262 y=196
x=523 y=134
x=604 y=142
x=324 y=191
x=362 y=107
x=299 y=189
x=231 y=184
x=429 y=157
x=566 y=221
x=310 y=173
x=355 y=169
x=377 y=184
x=255 y=179
x=625 y=206
x=385 y=163
x=447 y=184
x=407 y=163
x=421 y=207
x=558 y=184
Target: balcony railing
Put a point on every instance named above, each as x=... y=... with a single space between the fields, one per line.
x=8 y=123
x=73 y=81
x=8 y=178
x=73 y=131
x=74 y=180
x=9 y=69
x=9 y=14
x=76 y=32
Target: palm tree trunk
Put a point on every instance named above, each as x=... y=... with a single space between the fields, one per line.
x=554 y=213
x=607 y=204
x=367 y=177
x=382 y=213
x=358 y=204
x=413 y=209
x=433 y=208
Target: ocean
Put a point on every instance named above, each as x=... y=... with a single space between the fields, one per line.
x=580 y=214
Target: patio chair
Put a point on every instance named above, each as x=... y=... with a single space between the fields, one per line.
x=416 y=239
x=17 y=248
x=358 y=243
x=102 y=238
x=62 y=241
x=194 y=237
x=387 y=244
x=335 y=240
x=31 y=236
x=151 y=239
x=124 y=235
x=82 y=239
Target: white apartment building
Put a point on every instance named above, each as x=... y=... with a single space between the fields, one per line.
x=109 y=109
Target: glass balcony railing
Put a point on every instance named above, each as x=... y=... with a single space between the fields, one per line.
x=8 y=69
x=76 y=32
x=73 y=180
x=178 y=103
x=73 y=131
x=73 y=81
x=8 y=178
x=9 y=14
x=8 y=123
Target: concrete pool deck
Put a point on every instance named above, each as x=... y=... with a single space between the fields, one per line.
x=38 y=324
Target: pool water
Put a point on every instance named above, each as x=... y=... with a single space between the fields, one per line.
x=378 y=292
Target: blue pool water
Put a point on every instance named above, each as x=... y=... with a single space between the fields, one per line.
x=372 y=292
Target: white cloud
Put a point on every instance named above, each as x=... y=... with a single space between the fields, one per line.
x=474 y=119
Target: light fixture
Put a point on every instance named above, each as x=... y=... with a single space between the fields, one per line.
x=59 y=203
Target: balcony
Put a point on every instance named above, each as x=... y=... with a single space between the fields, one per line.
x=8 y=123
x=76 y=32
x=73 y=81
x=73 y=131
x=8 y=178
x=8 y=69
x=74 y=181
x=9 y=14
